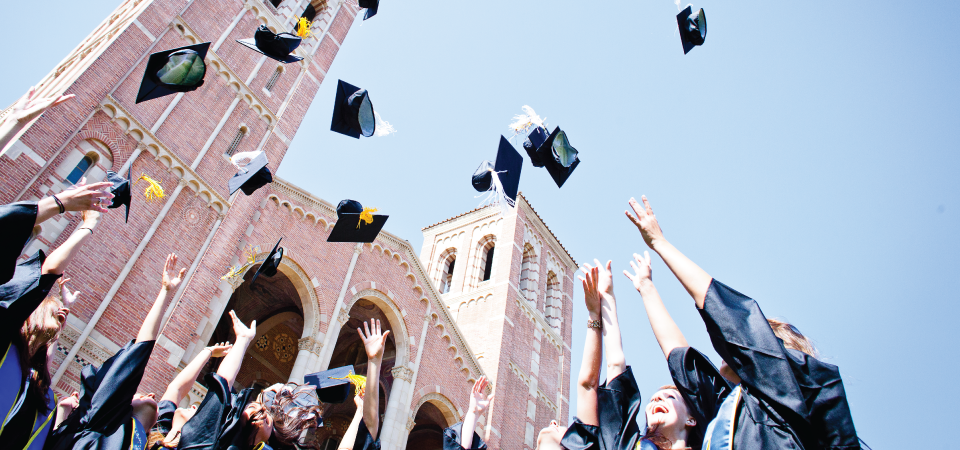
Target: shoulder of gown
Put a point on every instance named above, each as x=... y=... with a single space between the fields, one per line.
x=16 y=221
x=451 y=439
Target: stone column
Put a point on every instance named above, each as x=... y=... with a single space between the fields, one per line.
x=306 y=346
x=394 y=419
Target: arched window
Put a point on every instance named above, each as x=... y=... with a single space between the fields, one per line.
x=241 y=132
x=82 y=167
x=447 y=263
x=309 y=13
x=488 y=264
x=553 y=311
x=276 y=3
x=273 y=79
x=528 y=274
x=482 y=267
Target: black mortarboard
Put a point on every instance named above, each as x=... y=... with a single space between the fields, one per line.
x=533 y=142
x=559 y=157
x=508 y=166
x=271 y=263
x=353 y=112
x=278 y=46
x=252 y=177
x=693 y=28
x=120 y=190
x=329 y=388
x=350 y=228
x=171 y=71
x=371 y=6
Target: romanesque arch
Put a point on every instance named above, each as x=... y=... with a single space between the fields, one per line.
x=434 y=412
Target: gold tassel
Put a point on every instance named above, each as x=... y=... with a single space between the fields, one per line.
x=303 y=27
x=366 y=216
x=359 y=382
x=154 y=191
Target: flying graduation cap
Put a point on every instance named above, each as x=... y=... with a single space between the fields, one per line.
x=356 y=223
x=271 y=264
x=693 y=28
x=334 y=385
x=120 y=190
x=353 y=112
x=171 y=71
x=251 y=176
x=278 y=46
x=371 y=7
x=501 y=178
x=534 y=140
x=558 y=156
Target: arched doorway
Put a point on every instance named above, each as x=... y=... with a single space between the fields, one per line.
x=275 y=303
x=429 y=423
x=349 y=351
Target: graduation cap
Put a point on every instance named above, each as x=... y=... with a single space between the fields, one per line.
x=171 y=71
x=371 y=6
x=558 y=156
x=356 y=223
x=254 y=175
x=120 y=190
x=277 y=46
x=693 y=28
x=353 y=112
x=270 y=265
x=334 y=385
x=534 y=140
x=502 y=177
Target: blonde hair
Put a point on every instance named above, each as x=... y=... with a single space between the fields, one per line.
x=792 y=337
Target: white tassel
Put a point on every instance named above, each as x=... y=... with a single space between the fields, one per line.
x=383 y=127
x=235 y=159
x=496 y=195
x=523 y=122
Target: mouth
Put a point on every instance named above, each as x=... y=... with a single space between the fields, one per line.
x=660 y=409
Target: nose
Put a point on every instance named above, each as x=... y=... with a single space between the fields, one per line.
x=193 y=407
x=152 y=395
x=553 y=423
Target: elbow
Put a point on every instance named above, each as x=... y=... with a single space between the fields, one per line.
x=589 y=381
x=616 y=365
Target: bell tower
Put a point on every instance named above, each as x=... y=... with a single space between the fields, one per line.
x=508 y=282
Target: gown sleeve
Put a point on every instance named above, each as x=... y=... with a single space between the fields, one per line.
x=743 y=338
x=580 y=436
x=618 y=404
x=16 y=221
x=165 y=411
x=204 y=429
x=830 y=415
x=116 y=384
x=700 y=384
x=451 y=439
x=364 y=440
x=23 y=293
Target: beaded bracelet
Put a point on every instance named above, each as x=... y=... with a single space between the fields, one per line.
x=594 y=324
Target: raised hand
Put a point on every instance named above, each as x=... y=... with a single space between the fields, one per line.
x=478 y=400
x=66 y=296
x=169 y=283
x=645 y=221
x=591 y=296
x=220 y=350
x=373 y=339
x=241 y=330
x=84 y=197
x=604 y=279
x=30 y=106
x=66 y=407
x=642 y=268
x=358 y=400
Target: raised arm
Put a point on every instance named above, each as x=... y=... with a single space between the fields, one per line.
x=230 y=365
x=478 y=404
x=694 y=279
x=183 y=382
x=373 y=342
x=589 y=379
x=665 y=329
x=60 y=258
x=612 y=344
x=151 y=325
x=350 y=436
x=83 y=197
x=26 y=109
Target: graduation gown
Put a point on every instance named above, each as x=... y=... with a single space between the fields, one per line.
x=618 y=405
x=21 y=426
x=702 y=387
x=364 y=440
x=451 y=439
x=104 y=419
x=165 y=412
x=16 y=221
x=580 y=436
x=790 y=399
x=216 y=423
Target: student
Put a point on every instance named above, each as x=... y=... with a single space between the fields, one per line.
x=462 y=436
x=110 y=414
x=366 y=435
x=166 y=432
x=30 y=323
x=786 y=398
x=23 y=112
x=350 y=436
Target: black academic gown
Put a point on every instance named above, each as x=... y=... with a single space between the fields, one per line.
x=165 y=411
x=702 y=387
x=104 y=419
x=618 y=405
x=216 y=423
x=16 y=221
x=364 y=440
x=451 y=439
x=19 y=297
x=790 y=399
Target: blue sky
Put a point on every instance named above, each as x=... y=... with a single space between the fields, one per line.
x=806 y=155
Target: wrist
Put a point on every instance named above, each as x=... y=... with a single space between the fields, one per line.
x=593 y=315
x=657 y=243
x=645 y=284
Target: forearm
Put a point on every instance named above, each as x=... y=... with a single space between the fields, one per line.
x=466 y=432
x=694 y=279
x=371 y=396
x=664 y=328
x=182 y=383
x=151 y=325
x=230 y=365
x=46 y=208
x=8 y=129
x=350 y=436
x=60 y=258
x=61 y=417
x=589 y=377
x=612 y=343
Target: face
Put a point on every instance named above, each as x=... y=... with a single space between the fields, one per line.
x=667 y=411
x=728 y=373
x=181 y=416
x=145 y=409
x=550 y=437
x=257 y=416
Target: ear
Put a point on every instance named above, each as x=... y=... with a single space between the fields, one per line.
x=691 y=422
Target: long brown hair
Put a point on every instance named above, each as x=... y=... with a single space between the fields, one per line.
x=33 y=343
x=792 y=337
x=290 y=419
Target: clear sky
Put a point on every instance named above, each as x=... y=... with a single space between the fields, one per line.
x=807 y=155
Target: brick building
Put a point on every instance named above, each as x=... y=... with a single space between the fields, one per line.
x=488 y=295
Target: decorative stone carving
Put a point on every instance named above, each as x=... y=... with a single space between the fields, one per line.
x=307 y=343
x=410 y=424
x=343 y=317
x=402 y=373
